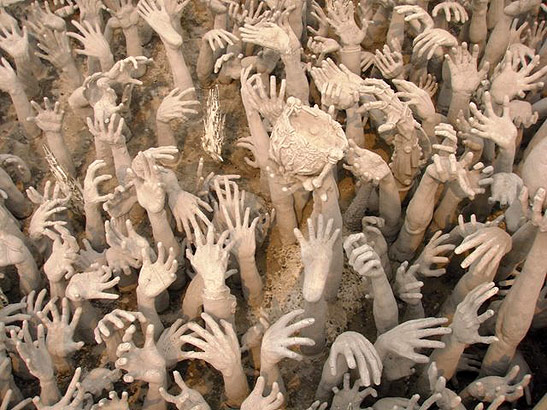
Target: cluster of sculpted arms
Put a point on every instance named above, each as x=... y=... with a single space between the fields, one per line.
x=439 y=108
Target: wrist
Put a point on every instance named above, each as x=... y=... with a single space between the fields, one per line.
x=217 y=292
x=143 y=300
x=351 y=48
x=245 y=257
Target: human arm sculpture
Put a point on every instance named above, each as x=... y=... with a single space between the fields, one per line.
x=38 y=360
x=517 y=310
x=145 y=364
x=210 y=261
x=94 y=226
x=10 y=83
x=50 y=120
x=220 y=348
x=420 y=209
x=350 y=351
x=125 y=14
x=15 y=252
x=281 y=38
x=276 y=342
x=465 y=330
x=408 y=288
x=187 y=399
x=173 y=106
x=369 y=167
x=94 y=43
x=273 y=401
x=155 y=278
x=157 y=17
x=107 y=133
x=365 y=261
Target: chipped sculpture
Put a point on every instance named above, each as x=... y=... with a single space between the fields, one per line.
x=268 y=204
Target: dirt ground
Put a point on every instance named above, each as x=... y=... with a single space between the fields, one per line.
x=280 y=266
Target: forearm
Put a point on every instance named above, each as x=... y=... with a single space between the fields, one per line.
x=162 y=232
x=447 y=358
x=429 y=124
x=497 y=42
x=297 y=83
x=271 y=374
x=350 y=56
x=133 y=41
x=414 y=311
x=447 y=211
x=504 y=160
x=251 y=280
x=58 y=147
x=354 y=126
x=49 y=392
x=164 y=134
x=220 y=304
x=29 y=275
x=389 y=205
x=122 y=161
x=517 y=310
x=24 y=72
x=205 y=65
x=236 y=387
x=459 y=102
x=477 y=26
x=57 y=288
x=418 y=217
x=154 y=400
x=181 y=75
x=495 y=13
x=94 y=227
x=260 y=137
x=71 y=74
x=23 y=109
x=384 y=308
x=147 y=307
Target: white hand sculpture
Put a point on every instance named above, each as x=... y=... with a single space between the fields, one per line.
x=40 y=223
x=406 y=286
x=358 y=353
x=218 y=39
x=49 y=118
x=148 y=184
x=269 y=106
x=366 y=164
x=210 y=259
x=113 y=402
x=72 y=398
x=92 y=285
x=110 y=134
x=169 y=343
x=500 y=130
x=431 y=255
x=453 y=11
x=405 y=338
x=34 y=353
x=462 y=67
x=60 y=329
x=418 y=18
x=278 y=338
x=270 y=35
x=390 y=61
x=115 y=320
x=511 y=83
x=185 y=207
x=100 y=379
x=466 y=322
x=155 y=14
x=257 y=400
x=123 y=12
x=91 y=182
x=317 y=253
x=490 y=387
x=505 y=188
x=426 y=43
x=63 y=256
x=141 y=363
x=350 y=397
x=490 y=244
x=220 y=347
x=92 y=38
x=14 y=41
x=174 y=106
x=154 y=278
x=187 y=399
